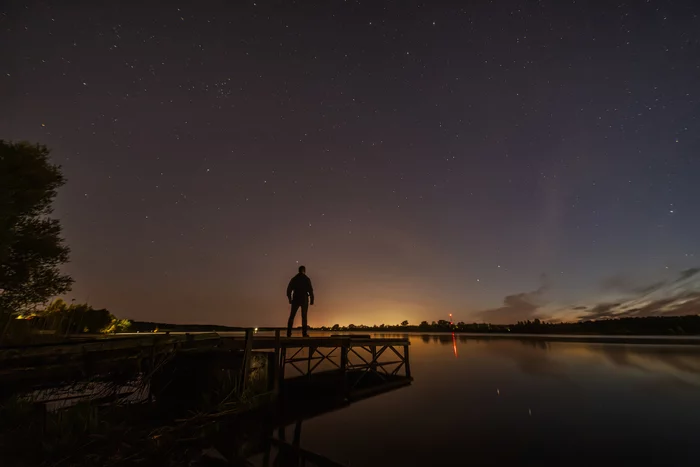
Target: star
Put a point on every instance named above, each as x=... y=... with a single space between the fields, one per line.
x=401 y=156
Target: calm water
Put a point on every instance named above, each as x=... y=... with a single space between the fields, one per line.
x=514 y=402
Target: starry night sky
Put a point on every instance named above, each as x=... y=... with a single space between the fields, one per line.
x=419 y=158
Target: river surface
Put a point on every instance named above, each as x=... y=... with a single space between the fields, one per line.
x=479 y=401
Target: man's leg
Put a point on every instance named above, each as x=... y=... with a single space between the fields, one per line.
x=304 y=313
x=290 y=323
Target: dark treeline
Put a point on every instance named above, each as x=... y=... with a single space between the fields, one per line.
x=57 y=320
x=149 y=326
x=653 y=325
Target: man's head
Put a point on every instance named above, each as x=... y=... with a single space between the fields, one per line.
x=302 y=269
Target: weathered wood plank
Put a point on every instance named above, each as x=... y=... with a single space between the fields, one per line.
x=73 y=359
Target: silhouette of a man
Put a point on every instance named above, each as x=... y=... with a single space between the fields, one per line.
x=299 y=292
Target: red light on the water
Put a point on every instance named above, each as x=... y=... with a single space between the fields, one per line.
x=454 y=344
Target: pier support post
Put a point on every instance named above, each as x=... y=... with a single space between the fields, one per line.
x=373 y=364
x=282 y=364
x=344 y=349
x=343 y=358
x=247 y=357
x=408 y=363
x=276 y=371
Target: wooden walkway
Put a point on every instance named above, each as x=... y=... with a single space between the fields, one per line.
x=351 y=363
x=303 y=377
x=343 y=352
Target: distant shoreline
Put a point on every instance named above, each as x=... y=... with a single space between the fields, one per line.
x=442 y=334
x=447 y=336
x=679 y=329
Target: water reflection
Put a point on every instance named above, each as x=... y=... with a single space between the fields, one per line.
x=288 y=455
x=525 y=402
x=661 y=360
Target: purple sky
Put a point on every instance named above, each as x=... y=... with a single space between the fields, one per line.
x=419 y=158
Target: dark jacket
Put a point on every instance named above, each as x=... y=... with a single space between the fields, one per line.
x=299 y=289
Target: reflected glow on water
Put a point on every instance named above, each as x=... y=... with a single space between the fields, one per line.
x=524 y=401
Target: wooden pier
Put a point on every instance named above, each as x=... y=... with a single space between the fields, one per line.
x=361 y=361
x=354 y=365
x=251 y=385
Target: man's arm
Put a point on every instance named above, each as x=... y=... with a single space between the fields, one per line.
x=311 y=292
x=290 y=288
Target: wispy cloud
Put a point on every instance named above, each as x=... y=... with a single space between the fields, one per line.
x=627 y=285
x=517 y=307
x=677 y=296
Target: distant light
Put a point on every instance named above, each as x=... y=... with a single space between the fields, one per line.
x=256 y=329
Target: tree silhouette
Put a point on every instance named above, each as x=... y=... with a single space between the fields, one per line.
x=404 y=322
x=77 y=318
x=31 y=247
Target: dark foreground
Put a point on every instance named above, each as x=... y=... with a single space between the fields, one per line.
x=181 y=399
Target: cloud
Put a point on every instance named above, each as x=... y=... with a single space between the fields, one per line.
x=517 y=307
x=626 y=285
x=686 y=304
x=674 y=297
x=688 y=273
x=601 y=311
x=689 y=305
x=677 y=296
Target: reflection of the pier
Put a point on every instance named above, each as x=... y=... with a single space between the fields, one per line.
x=275 y=447
x=290 y=454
